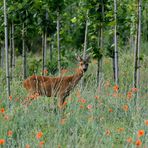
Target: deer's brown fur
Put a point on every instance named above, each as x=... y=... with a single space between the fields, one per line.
x=56 y=86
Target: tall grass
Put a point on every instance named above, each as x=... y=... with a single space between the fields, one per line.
x=92 y=118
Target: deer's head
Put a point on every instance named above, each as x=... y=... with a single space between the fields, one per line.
x=83 y=63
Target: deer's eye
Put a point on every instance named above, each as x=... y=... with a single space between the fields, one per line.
x=81 y=63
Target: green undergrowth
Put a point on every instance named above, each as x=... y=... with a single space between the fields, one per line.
x=93 y=117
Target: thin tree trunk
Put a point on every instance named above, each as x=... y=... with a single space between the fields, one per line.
x=85 y=38
x=10 y=49
x=44 y=51
x=10 y=45
x=99 y=65
x=85 y=45
x=113 y=61
x=58 y=42
x=42 y=54
x=139 y=41
x=137 y=51
x=44 y=45
x=100 y=47
x=115 y=43
x=13 y=47
x=50 y=51
x=6 y=50
x=24 y=53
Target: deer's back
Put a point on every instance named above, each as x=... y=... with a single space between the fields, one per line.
x=59 y=85
x=33 y=83
x=49 y=86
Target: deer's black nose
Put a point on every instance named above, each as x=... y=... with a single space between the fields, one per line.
x=84 y=69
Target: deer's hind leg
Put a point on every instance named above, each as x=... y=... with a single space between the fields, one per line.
x=30 y=98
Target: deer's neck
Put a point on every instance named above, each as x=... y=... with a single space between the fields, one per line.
x=77 y=76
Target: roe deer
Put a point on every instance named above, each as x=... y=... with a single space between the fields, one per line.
x=56 y=86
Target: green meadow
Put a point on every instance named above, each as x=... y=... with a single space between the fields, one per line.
x=93 y=117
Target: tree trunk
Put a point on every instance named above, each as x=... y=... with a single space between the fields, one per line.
x=113 y=61
x=50 y=51
x=115 y=43
x=44 y=46
x=99 y=66
x=24 y=53
x=100 y=47
x=10 y=49
x=12 y=65
x=85 y=45
x=44 y=51
x=10 y=45
x=85 y=38
x=136 y=82
x=6 y=50
x=42 y=54
x=58 y=42
x=13 y=47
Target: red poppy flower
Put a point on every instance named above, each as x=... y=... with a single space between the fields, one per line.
x=39 y=135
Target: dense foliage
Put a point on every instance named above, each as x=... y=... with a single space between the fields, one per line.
x=39 y=14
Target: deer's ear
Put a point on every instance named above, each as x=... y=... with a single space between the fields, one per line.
x=79 y=58
x=87 y=59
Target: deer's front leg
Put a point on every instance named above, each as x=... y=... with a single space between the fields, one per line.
x=61 y=101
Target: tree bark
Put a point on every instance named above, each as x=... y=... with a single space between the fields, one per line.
x=10 y=49
x=6 y=50
x=24 y=52
x=44 y=45
x=50 y=51
x=58 y=42
x=85 y=45
x=10 y=45
x=85 y=38
x=115 y=43
x=44 y=51
x=136 y=82
x=100 y=47
x=13 y=47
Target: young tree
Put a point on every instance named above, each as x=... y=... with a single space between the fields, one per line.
x=13 y=47
x=115 y=44
x=137 y=50
x=44 y=40
x=85 y=38
x=58 y=7
x=58 y=41
x=85 y=44
x=24 y=52
x=6 y=49
x=100 y=44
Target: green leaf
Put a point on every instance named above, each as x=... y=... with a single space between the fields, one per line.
x=112 y=23
x=73 y=20
x=20 y=6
